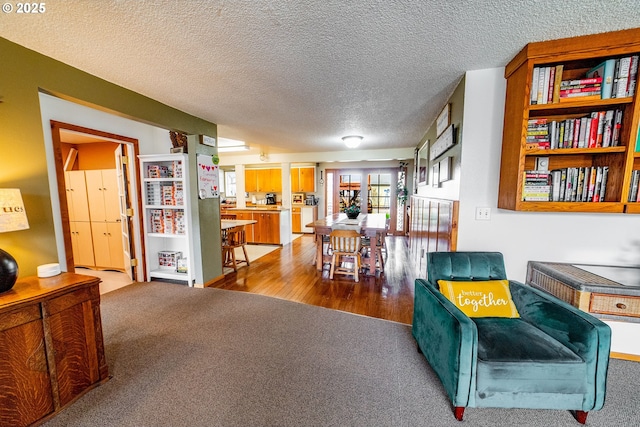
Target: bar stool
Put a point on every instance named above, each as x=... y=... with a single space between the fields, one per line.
x=235 y=238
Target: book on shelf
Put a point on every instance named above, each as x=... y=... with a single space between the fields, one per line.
x=637 y=140
x=536 y=186
x=634 y=195
x=579 y=184
x=604 y=70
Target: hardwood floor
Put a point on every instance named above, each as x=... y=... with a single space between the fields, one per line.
x=289 y=273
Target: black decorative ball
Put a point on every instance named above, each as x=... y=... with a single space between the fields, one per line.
x=8 y=271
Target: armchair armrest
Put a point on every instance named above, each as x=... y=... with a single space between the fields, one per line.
x=585 y=335
x=448 y=339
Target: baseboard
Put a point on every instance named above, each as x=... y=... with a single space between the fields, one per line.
x=625 y=356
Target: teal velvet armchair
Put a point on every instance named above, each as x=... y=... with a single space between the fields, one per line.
x=553 y=356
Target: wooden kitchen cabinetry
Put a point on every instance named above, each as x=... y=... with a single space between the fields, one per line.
x=271 y=227
x=53 y=349
x=303 y=179
x=296 y=218
x=572 y=58
x=263 y=180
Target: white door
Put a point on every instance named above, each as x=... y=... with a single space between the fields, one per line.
x=126 y=212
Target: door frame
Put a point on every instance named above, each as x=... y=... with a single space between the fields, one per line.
x=56 y=127
x=364 y=173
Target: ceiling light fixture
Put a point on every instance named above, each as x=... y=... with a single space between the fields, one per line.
x=352 y=141
x=226 y=145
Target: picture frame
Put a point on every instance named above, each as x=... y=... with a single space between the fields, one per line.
x=444 y=119
x=435 y=171
x=207 y=140
x=423 y=164
x=444 y=174
x=443 y=143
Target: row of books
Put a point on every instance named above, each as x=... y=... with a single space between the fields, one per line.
x=167 y=221
x=580 y=184
x=634 y=188
x=619 y=76
x=168 y=194
x=172 y=170
x=598 y=129
x=613 y=78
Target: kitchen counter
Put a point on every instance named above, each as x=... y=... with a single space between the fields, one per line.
x=260 y=208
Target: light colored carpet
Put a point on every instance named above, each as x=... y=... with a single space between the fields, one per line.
x=193 y=357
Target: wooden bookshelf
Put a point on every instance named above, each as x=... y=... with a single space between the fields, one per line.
x=577 y=55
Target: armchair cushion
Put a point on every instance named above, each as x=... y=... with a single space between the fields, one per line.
x=490 y=298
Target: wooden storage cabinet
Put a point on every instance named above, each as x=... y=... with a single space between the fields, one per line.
x=53 y=349
x=263 y=180
x=107 y=242
x=167 y=216
x=76 y=191
x=82 y=243
x=303 y=179
x=296 y=220
x=577 y=55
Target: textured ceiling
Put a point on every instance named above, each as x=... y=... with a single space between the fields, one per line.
x=299 y=75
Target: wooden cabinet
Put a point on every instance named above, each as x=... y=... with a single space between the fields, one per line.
x=102 y=192
x=107 y=244
x=82 y=243
x=53 y=350
x=576 y=56
x=263 y=180
x=303 y=179
x=76 y=192
x=267 y=227
x=296 y=218
x=251 y=180
x=246 y=215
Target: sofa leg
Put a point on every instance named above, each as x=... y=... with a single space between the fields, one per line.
x=581 y=416
x=458 y=412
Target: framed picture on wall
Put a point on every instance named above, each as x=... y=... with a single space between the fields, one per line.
x=423 y=163
x=435 y=170
x=444 y=119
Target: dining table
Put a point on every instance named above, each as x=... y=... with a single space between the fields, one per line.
x=370 y=225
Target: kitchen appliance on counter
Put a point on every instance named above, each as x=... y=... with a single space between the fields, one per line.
x=297 y=198
x=270 y=198
x=311 y=200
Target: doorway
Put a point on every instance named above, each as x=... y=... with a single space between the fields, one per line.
x=97 y=188
x=379 y=190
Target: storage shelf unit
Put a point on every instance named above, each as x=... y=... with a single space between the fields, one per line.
x=167 y=217
x=577 y=56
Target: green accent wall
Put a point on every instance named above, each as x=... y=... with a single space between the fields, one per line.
x=23 y=162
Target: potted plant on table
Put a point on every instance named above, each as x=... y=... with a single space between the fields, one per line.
x=352 y=211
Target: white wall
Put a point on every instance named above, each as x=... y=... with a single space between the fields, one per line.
x=151 y=140
x=525 y=236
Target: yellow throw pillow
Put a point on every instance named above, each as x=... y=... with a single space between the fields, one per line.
x=490 y=298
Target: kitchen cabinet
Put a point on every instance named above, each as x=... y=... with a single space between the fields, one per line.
x=53 y=349
x=303 y=179
x=296 y=220
x=272 y=226
x=263 y=180
x=267 y=229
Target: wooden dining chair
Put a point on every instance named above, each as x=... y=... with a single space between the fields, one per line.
x=227 y=216
x=235 y=238
x=345 y=244
x=366 y=249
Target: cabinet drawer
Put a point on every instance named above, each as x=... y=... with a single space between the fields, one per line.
x=620 y=305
